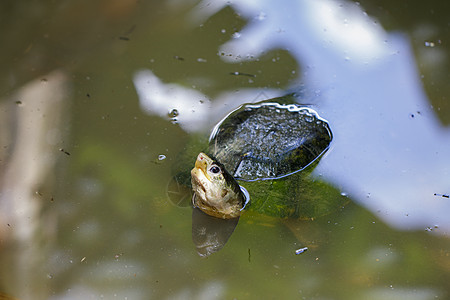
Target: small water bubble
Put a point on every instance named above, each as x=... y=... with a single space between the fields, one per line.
x=236 y=35
x=309 y=119
x=161 y=157
x=201 y=60
x=301 y=250
x=174 y=113
x=344 y=194
x=223 y=31
x=261 y=16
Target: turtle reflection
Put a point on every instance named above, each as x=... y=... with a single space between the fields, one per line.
x=210 y=234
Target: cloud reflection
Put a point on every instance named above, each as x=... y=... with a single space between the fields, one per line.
x=194 y=110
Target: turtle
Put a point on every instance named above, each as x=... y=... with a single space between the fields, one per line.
x=259 y=157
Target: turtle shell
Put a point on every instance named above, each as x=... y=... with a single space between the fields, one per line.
x=269 y=140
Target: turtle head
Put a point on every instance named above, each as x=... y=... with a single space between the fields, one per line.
x=216 y=192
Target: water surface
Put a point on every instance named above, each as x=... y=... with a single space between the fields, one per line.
x=89 y=142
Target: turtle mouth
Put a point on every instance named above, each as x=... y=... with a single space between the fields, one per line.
x=199 y=174
x=196 y=173
x=201 y=165
x=200 y=179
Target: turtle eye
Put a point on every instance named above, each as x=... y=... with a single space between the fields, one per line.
x=214 y=169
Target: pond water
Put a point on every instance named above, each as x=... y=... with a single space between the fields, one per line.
x=99 y=99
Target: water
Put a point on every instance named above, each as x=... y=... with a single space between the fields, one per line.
x=83 y=205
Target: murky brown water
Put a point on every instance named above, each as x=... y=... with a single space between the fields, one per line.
x=83 y=206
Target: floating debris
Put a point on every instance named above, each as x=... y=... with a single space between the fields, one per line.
x=64 y=151
x=242 y=74
x=133 y=27
x=161 y=157
x=301 y=250
x=442 y=195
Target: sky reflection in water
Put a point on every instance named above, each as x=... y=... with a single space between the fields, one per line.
x=390 y=153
